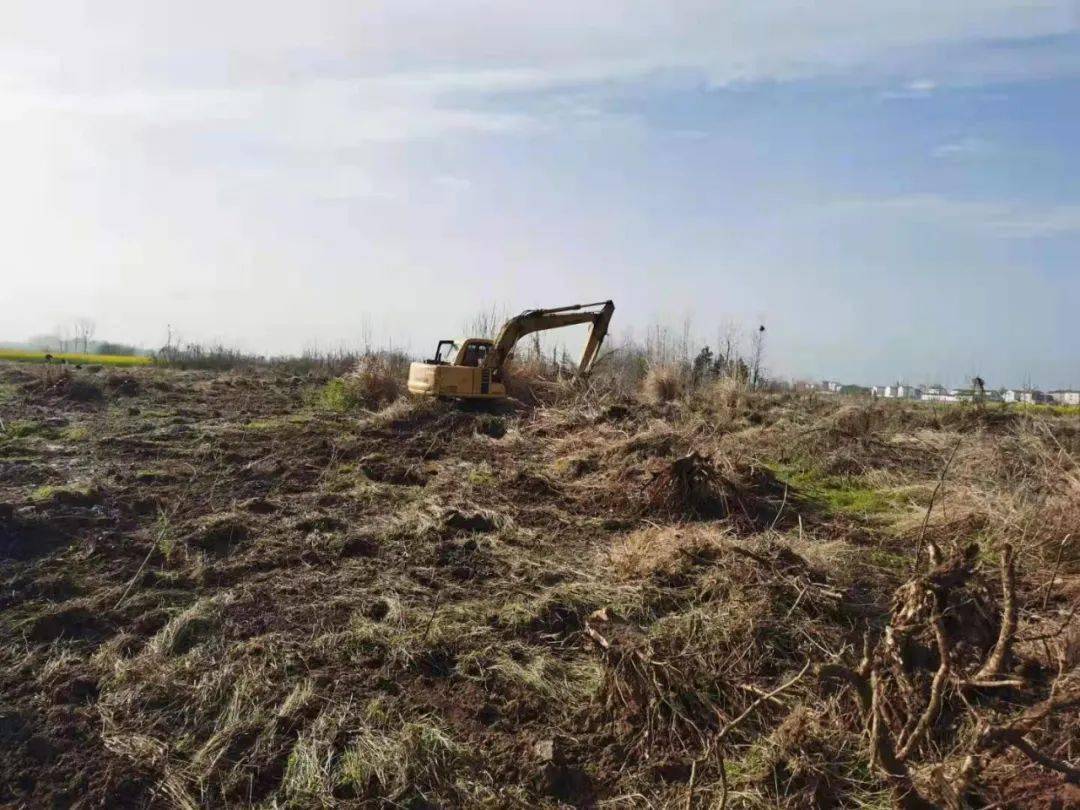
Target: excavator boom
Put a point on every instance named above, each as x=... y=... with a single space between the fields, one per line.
x=538 y=320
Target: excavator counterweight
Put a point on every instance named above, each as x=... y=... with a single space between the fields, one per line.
x=474 y=367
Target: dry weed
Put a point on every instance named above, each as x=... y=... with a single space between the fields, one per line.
x=663 y=383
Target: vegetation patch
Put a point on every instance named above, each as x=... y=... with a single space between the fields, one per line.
x=68 y=495
x=21 y=356
x=842 y=494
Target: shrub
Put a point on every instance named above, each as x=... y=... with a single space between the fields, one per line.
x=375 y=382
x=727 y=395
x=663 y=383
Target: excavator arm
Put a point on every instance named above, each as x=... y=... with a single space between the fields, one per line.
x=538 y=320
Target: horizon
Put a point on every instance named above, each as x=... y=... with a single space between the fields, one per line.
x=49 y=341
x=890 y=190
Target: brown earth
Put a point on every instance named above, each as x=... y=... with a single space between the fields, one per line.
x=216 y=592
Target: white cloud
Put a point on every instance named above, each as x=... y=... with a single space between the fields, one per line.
x=992 y=218
x=335 y=72
x=513 y=44
x=963 y=149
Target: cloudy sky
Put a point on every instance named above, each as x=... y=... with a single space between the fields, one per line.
x=893 y=188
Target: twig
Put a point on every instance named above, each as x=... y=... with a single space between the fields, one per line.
x=1053 y=574
x=767 y=696
x=131 y=582
x=779 y=511
x=431 y=618
x=929 y=507
x=723 y=782
x=690 y=786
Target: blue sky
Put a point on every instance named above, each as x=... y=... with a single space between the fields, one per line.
x=890 y=187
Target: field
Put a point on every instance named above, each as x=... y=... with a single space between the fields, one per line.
x=244 y=589
x=123 y=360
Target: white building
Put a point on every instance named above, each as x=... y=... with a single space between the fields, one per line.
x=831 y=386
x=898 y=391
x=1011 y=395
x=908 y=391
x=1065 y=397
x=1033 y=397
x=936 y=393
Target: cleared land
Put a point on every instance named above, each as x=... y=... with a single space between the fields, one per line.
x=232 y=589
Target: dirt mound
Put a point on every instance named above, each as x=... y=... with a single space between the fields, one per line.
x=219 y=534
x=123 y=385
x=24 y=537
x=454 y=521
x=73 y=622
x=386 y=470
x=66 y=385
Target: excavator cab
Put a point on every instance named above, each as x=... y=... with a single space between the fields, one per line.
x=473 y=367
x=463 y=352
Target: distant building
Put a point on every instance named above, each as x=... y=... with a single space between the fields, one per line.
x=831 y=386
x=1033 y=397
x=898 y=391
x=937 y=393
x=908 y=392
x=1010 y=395
x=1065 y=397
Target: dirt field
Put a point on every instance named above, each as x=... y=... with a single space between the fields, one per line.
x=216 y=592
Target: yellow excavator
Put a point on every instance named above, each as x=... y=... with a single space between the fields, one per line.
x=474 y=368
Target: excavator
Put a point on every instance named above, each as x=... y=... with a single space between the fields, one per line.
x=474 y=368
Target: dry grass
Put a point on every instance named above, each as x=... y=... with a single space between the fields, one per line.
x=662 y=550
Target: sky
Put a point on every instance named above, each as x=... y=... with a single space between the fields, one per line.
x=892 y=188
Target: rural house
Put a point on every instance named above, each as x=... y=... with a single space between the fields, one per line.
x=1065 y=397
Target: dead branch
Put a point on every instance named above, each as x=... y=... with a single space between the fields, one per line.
x=1054 y=572
x=767 y=696
x=883 y=753
x=992 y=668
x=937 y=688
x=1072 y=774
x=994 y=738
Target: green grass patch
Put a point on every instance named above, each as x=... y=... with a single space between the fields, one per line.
x=841 y=494
x=23 y=429
x=21 y=356
x=482 y=476
x=75 y=433
x=76 y=494
x=338 y=396
x=277 y=422
x=263 y=424
x=880 y=558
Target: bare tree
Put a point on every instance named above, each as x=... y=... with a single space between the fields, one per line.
x=63 y=337
x=84 y=330
x=487 y=322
